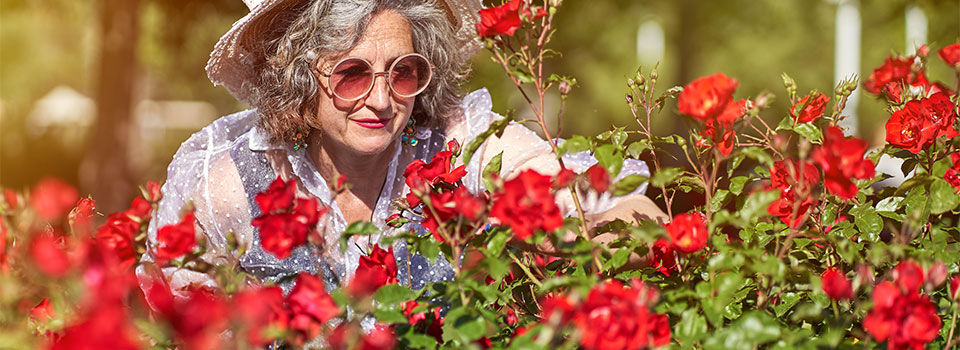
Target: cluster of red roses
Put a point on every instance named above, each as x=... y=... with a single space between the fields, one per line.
x=898 y=75
x=687 y=233
x=611 y=317
x=921 y=121
x=525 y=203
x=286 y=222
x=710 y=101
x=902 y=315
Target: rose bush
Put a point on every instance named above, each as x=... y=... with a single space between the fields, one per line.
x=796 y=243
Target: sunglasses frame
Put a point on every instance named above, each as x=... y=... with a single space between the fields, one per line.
x=373 y=81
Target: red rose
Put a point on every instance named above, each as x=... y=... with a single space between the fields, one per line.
x=841 y=159
x=421 y=177
x=43 y=311
x=614 y=317
x=908 y=276
x=105 y=327
x=527 y=204
x=52 y=198
x=805 y=112
x=953 y=174
x=446 y=206
x=599 y=178
x=707 y=98
x=286 y=221
x=909 y=129
x=116 y=237
x=951 y=55
x=260 y=311
x=278 y=197
x=152 y=192
x=500 y=20
x=664 y=259
x=50 y=255
x=894 y=92
x=794 y=179
x=894 y=70
x=564 y=178
x=81 y=217
x=310 y=305
x=903 y=319
x=688 y=232
x=200 y=319
x=140 y=210
x=429 y=322
x=174 y=241
x=941 y=112
x=836 y=285
x=555 y=309
x=376 y=269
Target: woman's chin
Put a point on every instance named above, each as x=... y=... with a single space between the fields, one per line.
x=371 y=145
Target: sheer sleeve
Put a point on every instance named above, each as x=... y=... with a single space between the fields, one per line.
x=523 y=149
x=203 y=175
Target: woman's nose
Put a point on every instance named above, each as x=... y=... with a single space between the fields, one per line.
x=379 y=97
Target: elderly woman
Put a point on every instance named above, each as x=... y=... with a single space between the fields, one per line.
x=350 y=88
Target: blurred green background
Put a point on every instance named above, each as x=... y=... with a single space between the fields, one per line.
x=141 y=62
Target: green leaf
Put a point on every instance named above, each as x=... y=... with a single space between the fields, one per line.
x=610 y=158
x=359 y=228
x=787 y=301
x=719 y=199
x=628 y=184
x=618 y=259
x=691 y=328
x=498 y=240
x=665 y=176
x=636 y=148
x=785 y=124
x=810 y=132
x=492 y=168
x=463 y=326
x=496 y=127
x=392 y=294
x=522 y=76
x=889 y=204
x=389 y=316
x=943 y=197
x=576 y=144
x=759 y=154
x=420 y=341
x=760 y=327
x=867 y=221
x=737 y=183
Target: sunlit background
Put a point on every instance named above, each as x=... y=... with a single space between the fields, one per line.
x=101 y=93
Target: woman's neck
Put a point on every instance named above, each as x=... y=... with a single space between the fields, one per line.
x=364 y=172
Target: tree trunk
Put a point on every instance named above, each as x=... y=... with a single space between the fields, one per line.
x=106 y=172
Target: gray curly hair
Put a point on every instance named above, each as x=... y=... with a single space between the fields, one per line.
x=286 y=93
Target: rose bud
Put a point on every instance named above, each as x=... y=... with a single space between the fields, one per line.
x=564 y=87
x=454 y=147
x=936 y=275
x=836 y=285
x=955 y=288
x=396 y=220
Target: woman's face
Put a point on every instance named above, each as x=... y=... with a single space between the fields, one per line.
x=369 y=125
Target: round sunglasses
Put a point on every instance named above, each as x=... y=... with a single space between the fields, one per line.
x=352 y=78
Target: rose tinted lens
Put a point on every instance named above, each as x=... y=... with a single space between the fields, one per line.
x=410 y=75
x=351 y=79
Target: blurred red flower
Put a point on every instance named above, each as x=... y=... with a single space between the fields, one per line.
x=310 y=305
x=794 y=179
x=905 y=319
x=376 y=269
x=894 y=70
x=664 y=259
x=951 y=55
x=430 y=321
x=52 y=198
x=556 y=309
x=260 y=312
x=43 y=311
x=908 y=276
x=836 y=285
x=614 y=317
x=446 y=205
x=116 y=236
x=50 y=255
x=152 y=193
x=527 y=204
x=105 y=327
x=81 y=217
x=809 y=108
x=955 y=288
x=286 y=221
x=841 y=159
x=953 y=174
x=688 y=232
x=599 y=178
x=710 y=100
x=174 y=241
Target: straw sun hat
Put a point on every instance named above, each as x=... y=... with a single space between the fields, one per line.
x=231 y=62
